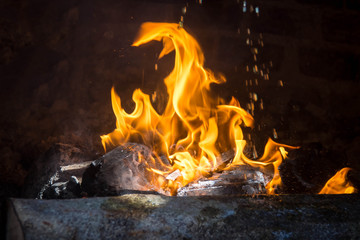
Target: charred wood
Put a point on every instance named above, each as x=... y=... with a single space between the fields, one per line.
x=121 y=170
x=242 y=180
x=63 y=190
x=57 y=165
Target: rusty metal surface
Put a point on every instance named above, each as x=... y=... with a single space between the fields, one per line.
x=150 y=216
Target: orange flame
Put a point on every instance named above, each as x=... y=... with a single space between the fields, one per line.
x=195 y=127
x=338 y=184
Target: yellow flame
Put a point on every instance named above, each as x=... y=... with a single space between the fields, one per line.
x=195 y=127
x=338 y=184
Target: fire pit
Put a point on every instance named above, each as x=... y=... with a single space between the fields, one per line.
x=196 y=146
x=189 y=160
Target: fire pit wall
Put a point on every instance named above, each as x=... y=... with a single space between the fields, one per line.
x=60 y=59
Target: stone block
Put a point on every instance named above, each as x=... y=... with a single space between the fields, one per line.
x=147 y=216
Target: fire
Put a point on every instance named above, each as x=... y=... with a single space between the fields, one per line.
x=195 y=127
x=338 y=184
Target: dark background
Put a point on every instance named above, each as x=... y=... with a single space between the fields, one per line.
x=59 y=60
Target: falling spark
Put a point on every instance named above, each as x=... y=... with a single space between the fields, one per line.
x=255 y=155
x=261 y=104
x=153 y=96
x=275 y=135
x=255 y=97
x=251 y=8
x=184 y=10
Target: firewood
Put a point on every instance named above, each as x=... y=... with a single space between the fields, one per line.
x=241 y=180
x=120 y=170
x=58 y=164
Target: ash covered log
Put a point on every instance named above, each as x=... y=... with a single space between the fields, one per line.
x=147 y=216
x=242 y=180
x=122 y=170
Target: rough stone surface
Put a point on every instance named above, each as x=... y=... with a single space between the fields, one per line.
x=137 y=216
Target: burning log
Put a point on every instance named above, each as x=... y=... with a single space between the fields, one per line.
x=198 y=124
x=121 y=170
x=189 y=138
x=124 y=169
x=242 y=180
x=147 y=216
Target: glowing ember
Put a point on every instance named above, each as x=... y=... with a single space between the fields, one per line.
x=338 y=184
x=195 y=128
